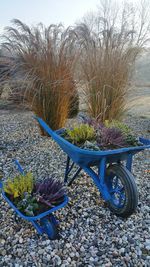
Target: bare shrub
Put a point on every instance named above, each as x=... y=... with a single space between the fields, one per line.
x=45 y=60
x=110 y=43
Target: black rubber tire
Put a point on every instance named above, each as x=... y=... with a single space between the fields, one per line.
x=130 y=189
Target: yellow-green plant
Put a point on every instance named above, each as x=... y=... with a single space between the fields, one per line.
x=20 y=184
x=80 y=134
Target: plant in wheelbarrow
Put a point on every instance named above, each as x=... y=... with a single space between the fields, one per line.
x=118 y=186
x=94 y=135
x=36 y=200
x=109 y=166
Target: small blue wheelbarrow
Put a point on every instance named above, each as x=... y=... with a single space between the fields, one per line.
x=110 y=170
x=44 y=222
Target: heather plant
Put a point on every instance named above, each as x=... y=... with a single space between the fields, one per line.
x=49 y=192
x=108 y=135
x=111 y=138
x=125 y=130
x=95 y=123
x=80 y=134
x=19 y=185
x=121 y=126
x=33 y=198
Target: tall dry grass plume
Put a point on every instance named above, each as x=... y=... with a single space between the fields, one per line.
x=110 y=43
x=44 y=69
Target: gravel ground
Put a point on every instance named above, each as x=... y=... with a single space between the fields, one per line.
x=90 y=234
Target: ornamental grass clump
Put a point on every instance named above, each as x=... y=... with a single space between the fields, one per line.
x=110 y=42
x=44 y=61
x=33 y=198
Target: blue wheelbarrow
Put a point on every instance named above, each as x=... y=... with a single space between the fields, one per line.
x=44 y=222
x=110 y=170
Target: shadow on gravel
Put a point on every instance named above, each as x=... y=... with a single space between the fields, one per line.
x=7 y=106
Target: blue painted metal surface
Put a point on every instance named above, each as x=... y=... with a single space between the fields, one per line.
x=116 y=191
x=41 y=215
x=18 y=166
x=86 y=159
x=47 y=226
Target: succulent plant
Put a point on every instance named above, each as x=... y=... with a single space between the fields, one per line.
x=28 y=205
x=132 y=140
x=91 y=146
x=49 y=192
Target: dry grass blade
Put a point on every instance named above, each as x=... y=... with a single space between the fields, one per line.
x=108 y=51
x=45 y=60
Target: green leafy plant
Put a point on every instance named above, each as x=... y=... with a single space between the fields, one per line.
x=28 y=205
x=80 y=134
x=33 y=198
x=132 y=140
x=19 y=185
x=108 y=135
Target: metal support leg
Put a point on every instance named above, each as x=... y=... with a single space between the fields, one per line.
x=74 y=177
x=99 y=178
x=68 y=171
x=38 y=227
x=101 y=171
x=129 y=162
x=67 y=168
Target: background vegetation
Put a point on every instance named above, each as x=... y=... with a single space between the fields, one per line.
x=44 y=69
x=110 y=43
x=53 y=66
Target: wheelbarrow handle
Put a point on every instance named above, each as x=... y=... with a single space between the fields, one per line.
x=1 y=185
x=18 y=166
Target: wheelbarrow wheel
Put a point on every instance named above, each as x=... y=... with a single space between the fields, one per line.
x=50 y=228
x=122 y=189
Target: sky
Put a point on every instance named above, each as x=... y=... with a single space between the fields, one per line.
x=45 y=11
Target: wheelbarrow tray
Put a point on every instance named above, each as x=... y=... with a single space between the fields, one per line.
x=44 y=222
x=37 y=217
x=111 y=168
x=85 y=157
